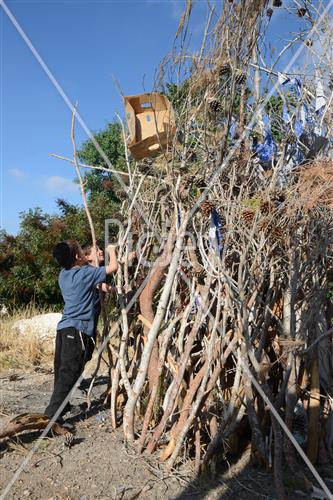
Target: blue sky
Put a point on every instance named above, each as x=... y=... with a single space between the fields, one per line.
x=85 y=44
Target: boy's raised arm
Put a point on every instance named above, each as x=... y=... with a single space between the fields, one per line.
x=112 y=267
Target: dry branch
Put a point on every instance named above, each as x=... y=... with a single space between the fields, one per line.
x=232 y=323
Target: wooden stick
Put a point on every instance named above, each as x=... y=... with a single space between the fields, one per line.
x=94 y=167
x=144 y=321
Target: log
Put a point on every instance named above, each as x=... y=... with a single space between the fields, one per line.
x=146 y=303
x=29 y=422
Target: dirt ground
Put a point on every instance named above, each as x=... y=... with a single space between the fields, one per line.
x=99 y=465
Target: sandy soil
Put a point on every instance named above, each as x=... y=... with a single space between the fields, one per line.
x=100 y=465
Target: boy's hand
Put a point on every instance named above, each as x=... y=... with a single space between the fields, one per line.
x=113 y=264
x=131 y=256
x=107 y=288
x=111 y=248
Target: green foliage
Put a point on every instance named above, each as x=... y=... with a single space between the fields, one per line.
x=252 y=203
x=111 y=142
x=274 y=109
x=28 y=272
x=31 y=274
x=65 y=207
x=177 y=94
x=274 y=105
x=237 y=100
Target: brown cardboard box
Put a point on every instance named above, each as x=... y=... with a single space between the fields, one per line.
x=151 y=123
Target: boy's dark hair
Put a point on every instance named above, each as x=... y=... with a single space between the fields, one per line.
x=87 y=249
x=65 y=253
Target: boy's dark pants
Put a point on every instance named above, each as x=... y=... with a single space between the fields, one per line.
x=69 y=360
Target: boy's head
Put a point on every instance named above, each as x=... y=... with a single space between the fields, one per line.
x=90 y=254
x=68 y=254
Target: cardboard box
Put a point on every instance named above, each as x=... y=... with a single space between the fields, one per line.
x=151 y=124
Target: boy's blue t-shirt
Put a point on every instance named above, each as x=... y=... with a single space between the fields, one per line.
x=78 y=288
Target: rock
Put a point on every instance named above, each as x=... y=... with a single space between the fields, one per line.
x=43 y=326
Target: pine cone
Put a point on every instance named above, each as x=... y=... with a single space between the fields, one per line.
x=107 y=184
x=264 y=225
x=276 y=233
x=277 y=197
x=144 y=167
x=240 y=77
x=269 y=12
x=248 y=215
x=290 y=137
x=207 y=207
x=225 y=70
x=266 y=207
x=301 y=12
x=277 y=3
x=215 y=106
x=229 y=260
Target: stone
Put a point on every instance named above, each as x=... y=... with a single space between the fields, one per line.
x=43 y=326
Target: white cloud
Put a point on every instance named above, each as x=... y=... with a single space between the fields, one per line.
x=59 y=185
x=17 y=172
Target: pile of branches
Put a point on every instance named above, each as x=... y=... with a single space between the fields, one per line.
x=223 y=337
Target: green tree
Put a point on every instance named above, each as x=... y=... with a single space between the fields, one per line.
x=27 y=269
x=111 y=142
x=31 y=274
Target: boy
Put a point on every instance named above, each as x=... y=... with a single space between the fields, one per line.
x=95 y=257
x=78 y=283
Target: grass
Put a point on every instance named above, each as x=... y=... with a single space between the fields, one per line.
x=22 y=351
